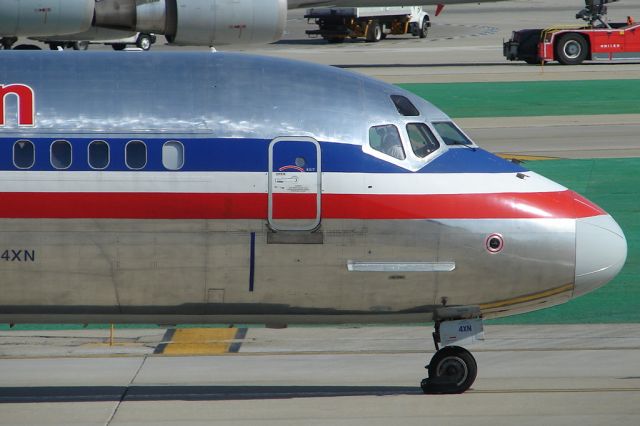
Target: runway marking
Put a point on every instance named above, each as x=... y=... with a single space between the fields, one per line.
x=524 y=157
x=567 y=390
x=201 y=341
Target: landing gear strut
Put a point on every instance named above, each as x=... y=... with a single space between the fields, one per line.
x=452 y=369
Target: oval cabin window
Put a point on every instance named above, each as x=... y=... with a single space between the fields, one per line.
x=24 y=154
x=61 y=155
x=173 y=155
x=98 y=155
x=136 y=155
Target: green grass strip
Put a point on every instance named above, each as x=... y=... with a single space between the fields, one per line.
x=532 y=98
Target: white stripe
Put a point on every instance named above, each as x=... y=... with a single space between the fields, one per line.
x=256 y=182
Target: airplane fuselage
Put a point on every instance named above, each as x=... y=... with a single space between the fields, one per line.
x=237 y=189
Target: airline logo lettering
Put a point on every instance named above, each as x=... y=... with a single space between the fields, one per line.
x=26 y=104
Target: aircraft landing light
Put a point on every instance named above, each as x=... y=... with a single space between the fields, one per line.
x=200 y=341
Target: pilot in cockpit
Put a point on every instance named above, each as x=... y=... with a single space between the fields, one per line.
x=391 y=145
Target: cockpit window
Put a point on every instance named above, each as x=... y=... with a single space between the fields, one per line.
x=386 y=139
x=423 y=141
x=450 y=134
x=404 y=106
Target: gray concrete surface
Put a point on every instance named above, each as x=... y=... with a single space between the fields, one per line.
x=576 y=374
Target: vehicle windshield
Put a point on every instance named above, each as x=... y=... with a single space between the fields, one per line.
x=450 y=133
x=423 y=141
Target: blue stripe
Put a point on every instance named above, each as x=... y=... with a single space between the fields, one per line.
x=250 y=155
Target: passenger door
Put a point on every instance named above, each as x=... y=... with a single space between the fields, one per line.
x=295 y=184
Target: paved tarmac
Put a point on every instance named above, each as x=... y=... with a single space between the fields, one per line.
x=528 y=375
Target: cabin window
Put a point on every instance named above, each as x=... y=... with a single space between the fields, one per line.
x=136 y=155
x=451 y=134
x=423 y=141
x=24 y=154
x=404 y=106
x=173 y=155
x=61 y=155
x=98 y=155
x=386 y=139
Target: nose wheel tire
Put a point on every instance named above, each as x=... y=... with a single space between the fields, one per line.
x=452 y=370
x=571 y=49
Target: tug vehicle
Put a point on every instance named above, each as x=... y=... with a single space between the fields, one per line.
x=598 y=40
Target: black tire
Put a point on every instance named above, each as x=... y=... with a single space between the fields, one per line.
x=119 y=46
x=144 y=42
x=27 y=47
x=452 y=370
x=424 y=28
x=374 y=32
x=571 y=49
x=80 y=45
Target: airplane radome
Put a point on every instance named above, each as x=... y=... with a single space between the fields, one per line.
x=226 y=188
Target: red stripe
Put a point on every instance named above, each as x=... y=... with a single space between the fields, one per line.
x=564 y=204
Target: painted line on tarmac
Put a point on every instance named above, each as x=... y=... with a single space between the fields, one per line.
x=567 y=390
x=524 y=157
x=201 y=341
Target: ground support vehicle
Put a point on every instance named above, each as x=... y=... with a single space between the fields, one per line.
x=571 y=45
x=335 y=24
x=141 y=40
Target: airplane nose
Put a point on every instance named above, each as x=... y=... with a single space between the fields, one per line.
x=601 y=250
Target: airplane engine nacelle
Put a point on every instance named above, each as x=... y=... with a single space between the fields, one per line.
x=220 y=22
x=197 y=22
x=44 y=17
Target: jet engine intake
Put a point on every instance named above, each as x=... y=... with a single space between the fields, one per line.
x=44 y=17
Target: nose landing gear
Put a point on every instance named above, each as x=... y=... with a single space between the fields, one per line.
x=452 y=370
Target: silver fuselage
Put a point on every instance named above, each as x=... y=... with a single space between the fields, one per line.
x=203 y=244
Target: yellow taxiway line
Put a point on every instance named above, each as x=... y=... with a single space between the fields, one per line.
x=199 y=341
x=524 y=157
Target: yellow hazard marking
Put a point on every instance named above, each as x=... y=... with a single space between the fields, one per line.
x=529 y=298
x=200 y=341
x=524 y=157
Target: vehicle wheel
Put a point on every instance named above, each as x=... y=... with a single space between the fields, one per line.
x=119 y=46
x=571 y=49
x=453 y=369
x=80 y=45
x=424 y=28
x=144 y=42
x=374 y=32
x=27 y=47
